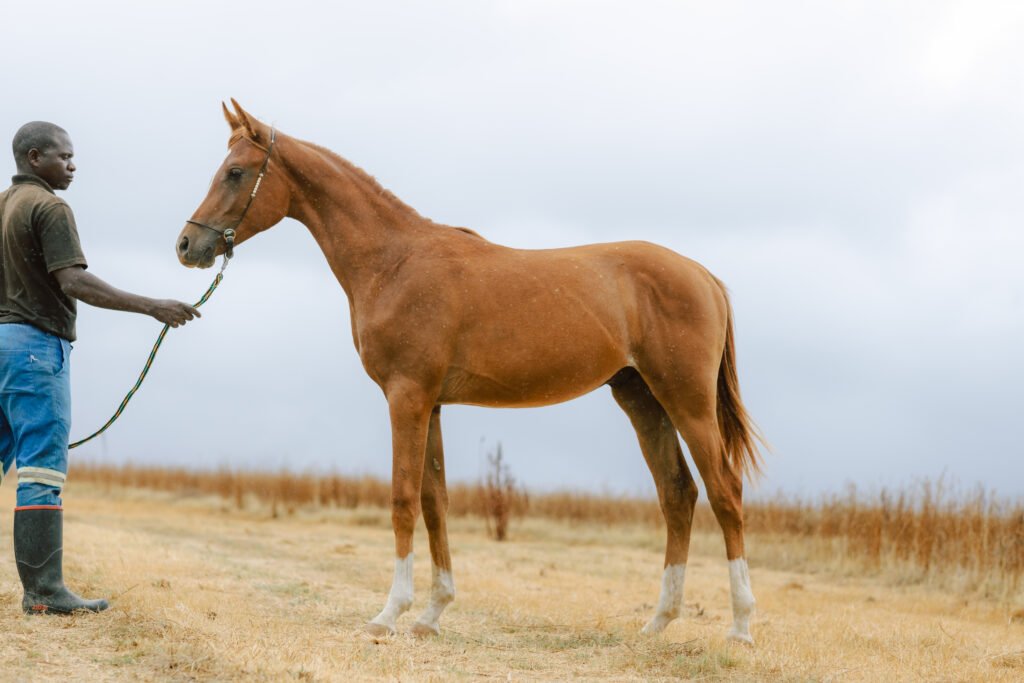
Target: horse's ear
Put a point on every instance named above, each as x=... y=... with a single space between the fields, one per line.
x=230 y=118
x=247 y=123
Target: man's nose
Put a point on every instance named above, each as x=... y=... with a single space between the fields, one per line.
x=72 y=167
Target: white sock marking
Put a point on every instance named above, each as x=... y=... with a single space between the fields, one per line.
x=442 y=592
x=671 y=600
x=400 y=597
x=742 y=600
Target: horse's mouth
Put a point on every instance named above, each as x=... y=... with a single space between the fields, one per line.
x=205 y=259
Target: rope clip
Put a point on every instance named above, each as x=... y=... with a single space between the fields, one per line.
x=229 y=241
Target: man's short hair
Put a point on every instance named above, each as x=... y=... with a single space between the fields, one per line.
x=41 y=135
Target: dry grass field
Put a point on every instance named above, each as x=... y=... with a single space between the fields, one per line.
x=235 y=585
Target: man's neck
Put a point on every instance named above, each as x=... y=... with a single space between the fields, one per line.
x=42 y=180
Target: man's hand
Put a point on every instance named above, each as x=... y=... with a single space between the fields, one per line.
x=173 y=313
x=80 y=284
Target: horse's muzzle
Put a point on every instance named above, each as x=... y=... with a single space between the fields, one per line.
x=193 y=256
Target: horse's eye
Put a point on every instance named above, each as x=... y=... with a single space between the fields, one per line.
x=235 y=173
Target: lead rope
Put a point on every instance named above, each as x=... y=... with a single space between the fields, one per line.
x=156 y=347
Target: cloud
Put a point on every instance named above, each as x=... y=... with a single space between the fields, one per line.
x=851 y=171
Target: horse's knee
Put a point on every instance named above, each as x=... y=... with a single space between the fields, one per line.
x=434 y=507
x=404 y=508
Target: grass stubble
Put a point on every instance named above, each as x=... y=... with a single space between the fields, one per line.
x=226 y=581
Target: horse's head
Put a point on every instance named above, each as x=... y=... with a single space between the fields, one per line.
x=247 y=195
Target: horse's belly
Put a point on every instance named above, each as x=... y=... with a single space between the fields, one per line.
x=469 y=388
x=523 y=370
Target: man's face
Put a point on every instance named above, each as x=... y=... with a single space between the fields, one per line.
x=54 y=164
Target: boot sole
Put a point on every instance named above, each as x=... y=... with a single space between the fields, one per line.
x=41 y=610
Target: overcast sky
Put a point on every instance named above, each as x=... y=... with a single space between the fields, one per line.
x=852 y=171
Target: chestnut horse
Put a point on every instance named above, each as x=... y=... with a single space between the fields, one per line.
x=440 y=315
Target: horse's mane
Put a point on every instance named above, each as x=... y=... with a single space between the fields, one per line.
x=344 y=164
x=374 y=184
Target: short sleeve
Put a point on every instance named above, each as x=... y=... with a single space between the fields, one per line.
x=58 y=237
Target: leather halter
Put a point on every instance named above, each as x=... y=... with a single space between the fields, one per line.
x=229 y=233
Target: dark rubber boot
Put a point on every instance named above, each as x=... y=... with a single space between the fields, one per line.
x=39 y=551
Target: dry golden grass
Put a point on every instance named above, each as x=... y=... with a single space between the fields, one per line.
x=204 y=590
x=970 y=542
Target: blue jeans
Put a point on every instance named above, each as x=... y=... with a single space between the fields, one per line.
x=35 y=411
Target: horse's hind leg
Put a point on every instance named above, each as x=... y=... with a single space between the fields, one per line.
x=693 y=412
x=434 y=503
x=724 y=484
x=677 y=492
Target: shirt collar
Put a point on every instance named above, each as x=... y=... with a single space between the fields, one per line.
x=28 y=178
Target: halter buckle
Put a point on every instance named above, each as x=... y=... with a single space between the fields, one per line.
x=229 y=241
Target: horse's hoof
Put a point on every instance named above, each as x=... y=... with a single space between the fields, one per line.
x=655 y=625
x=740 y=637
x=421 y=630
x=376 y=630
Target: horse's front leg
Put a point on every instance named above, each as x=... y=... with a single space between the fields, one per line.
x=434 y=499
x=410 y=410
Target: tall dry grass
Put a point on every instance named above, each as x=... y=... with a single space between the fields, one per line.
x=931 y=531
x=501 y=496
x=973 y=539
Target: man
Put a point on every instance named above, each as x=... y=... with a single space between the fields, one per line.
x=42 y=275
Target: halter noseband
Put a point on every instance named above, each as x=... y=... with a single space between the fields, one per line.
x=229 y=233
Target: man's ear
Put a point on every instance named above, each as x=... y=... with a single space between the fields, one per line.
x=33 y=156
x=246 y=121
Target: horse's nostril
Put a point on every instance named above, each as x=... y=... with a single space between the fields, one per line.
x=183 y=245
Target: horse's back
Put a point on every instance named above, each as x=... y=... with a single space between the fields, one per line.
x=651 y=281
x=622 y=284
x=531 y=327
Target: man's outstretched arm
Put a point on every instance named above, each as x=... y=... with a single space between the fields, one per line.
x=78 y=283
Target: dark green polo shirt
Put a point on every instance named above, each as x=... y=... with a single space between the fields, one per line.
x=37 y=236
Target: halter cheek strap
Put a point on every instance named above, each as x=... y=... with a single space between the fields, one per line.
x=229 y=233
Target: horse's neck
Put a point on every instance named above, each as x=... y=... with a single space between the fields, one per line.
x=361 y=228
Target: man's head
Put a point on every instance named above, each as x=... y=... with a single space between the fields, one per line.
x=44 y=149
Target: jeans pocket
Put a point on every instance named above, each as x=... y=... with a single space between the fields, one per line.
x=48 y=354
x=65 y=354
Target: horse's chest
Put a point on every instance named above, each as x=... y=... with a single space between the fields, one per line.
x=400 y=345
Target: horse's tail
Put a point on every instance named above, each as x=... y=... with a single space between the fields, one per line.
x=739 y=433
